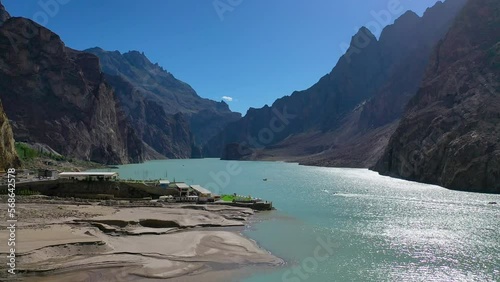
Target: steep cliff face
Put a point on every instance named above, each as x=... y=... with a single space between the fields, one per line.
x=408 y=44
x=4 y=15
x=450 y=134
x=318 y=108
x=8 y=155
x=169 y=135
x=206 y=117
x=57 y=96
x=346 y=118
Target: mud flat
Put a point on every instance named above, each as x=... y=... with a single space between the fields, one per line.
x=106 y=243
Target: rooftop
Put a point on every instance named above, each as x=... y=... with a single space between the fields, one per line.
x=180 y=185
x=89 y=173
x=200 y=189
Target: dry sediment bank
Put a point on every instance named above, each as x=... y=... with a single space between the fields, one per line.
x=105 y=243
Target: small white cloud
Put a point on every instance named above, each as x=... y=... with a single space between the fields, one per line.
x=227 y=98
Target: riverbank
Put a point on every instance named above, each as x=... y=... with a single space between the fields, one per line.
x=378 y=226
x=73 y=241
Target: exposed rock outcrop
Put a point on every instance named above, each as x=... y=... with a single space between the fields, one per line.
x=8 y=155
x=450 y=134
x=347 y=117
x=58 y=96
x=167 y=134
x=206 y=117
x=70 y=106
x=4 y=15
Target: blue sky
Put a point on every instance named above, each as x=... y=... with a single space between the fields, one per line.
x=254 y=51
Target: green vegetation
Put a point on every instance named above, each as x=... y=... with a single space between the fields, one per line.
x=130 y=180
x=232 y=198
x=26 y=153
x=23 y=192
x=28 y=192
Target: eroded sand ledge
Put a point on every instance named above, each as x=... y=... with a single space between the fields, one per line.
x=102 y=243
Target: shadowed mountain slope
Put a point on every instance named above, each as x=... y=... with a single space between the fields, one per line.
x=450 y=133
x=347 y=117
x=206 y=117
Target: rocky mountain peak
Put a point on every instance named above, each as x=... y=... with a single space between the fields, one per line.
x=408 y=17
x=222 y=105
x=362 y=43
x=4 y=15
x=346 y=118
x=403 y=27
x=206 y=117
x=138 y=59
x=67 y=104
x=363 y=37
x=95 y=49
x=440 y=6
x=449 y=132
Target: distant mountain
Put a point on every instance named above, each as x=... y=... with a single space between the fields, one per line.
x=206 y=117
x=450 y=133
x=347 y=117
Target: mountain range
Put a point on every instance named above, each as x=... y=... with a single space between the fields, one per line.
x=206 y=117
x=419 y=102
x=57 y=96
x=347 y=117
x=108 y=108
x=450 y=132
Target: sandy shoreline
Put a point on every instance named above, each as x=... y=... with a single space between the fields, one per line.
x=93 y=242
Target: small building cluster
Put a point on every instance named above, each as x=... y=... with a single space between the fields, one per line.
x=52 y=174
x=89 y=176
x=163 y=184
x=48 y=173
x=27 y=175
x=204 y=194
x=186 y=193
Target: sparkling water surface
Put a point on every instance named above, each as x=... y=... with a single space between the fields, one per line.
x=339 y=224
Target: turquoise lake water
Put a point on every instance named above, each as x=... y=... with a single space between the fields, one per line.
x=335 y=224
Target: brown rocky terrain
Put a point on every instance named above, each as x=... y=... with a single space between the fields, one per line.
x=89 y=241
x=58 y=96
x=59 y=99
x=8 y=155
x=165 y=135
x=206 y=117
x=450 y=133
x=347 y=117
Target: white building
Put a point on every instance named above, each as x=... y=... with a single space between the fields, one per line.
x=163 y=183
x=201 y=192
x=89 y=175
x=180 y=187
